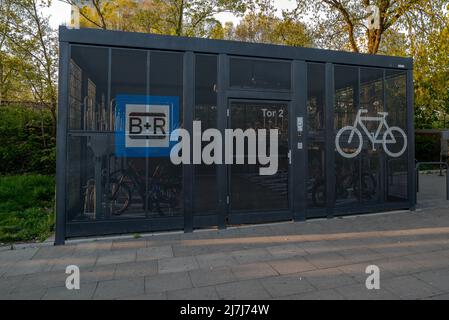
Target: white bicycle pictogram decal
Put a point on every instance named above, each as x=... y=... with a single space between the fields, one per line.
x=388 y=138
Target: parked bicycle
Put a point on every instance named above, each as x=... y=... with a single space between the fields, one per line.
x=346 y=186
x=389 y=137
x=157 y=193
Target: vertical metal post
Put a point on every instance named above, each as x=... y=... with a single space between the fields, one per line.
x=330 y=144
x=188 y=106
x=298 y=166
x=222 y=106
x=147 y=158
x=411 y=142
x=383 y=159
x=61 y=140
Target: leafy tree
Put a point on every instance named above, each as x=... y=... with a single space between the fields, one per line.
x=32 y=46
x=430 y=45
x=172 y=17
x=341 y=24
x=261 y=24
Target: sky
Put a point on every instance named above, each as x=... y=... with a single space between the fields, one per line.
x=60 y=12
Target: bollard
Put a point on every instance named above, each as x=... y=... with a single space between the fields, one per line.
x=447 y=182
x=417 y=179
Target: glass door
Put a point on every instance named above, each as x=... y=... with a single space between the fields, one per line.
x=250 y=191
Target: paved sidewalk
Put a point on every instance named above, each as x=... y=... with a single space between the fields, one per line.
x=322 y=259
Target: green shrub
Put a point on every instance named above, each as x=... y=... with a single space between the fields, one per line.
x=427 y=148
x=26 y=208
x=26 y=142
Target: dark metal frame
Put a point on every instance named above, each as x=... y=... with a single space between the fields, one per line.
x=296 y=98
x=441 y=165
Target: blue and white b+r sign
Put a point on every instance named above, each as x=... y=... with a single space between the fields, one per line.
x=143 y=125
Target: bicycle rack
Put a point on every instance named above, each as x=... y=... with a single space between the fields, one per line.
x=441 y=164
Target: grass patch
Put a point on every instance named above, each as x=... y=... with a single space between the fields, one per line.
x=26 y=208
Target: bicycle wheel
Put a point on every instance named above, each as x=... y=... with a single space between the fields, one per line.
x=396 y=134
x=119 y=197
x=369 y=186
x=319 y=194
x=349 y=149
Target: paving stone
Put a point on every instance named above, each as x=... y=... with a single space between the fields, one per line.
x=360 y=255
x=408 y=287
x=35 y=294
x=412 y=252
x=281 y=286
x=392 y=249
x=202 y=278
x=358 y=272
x=203 y=293
x=93 y=247
x=82 y=261
x=10 y=256
x=154 y=253
x=114 y=289
x=215 y=260
x=293 y=265
x=253 y=271
x=85 y=292
x=327 y=260
x=150 y=296
x=25 y=267
x=40 y=280
x=116 y=257
x=7 y=285
x=252 y=255
x=243 y=290
x=329 y=294
x=328 y=278
x=136 y=269
x=434 y=260
x=315 y=247
x=399 y=266
x=177 y=264
x=167 y=282
x=360 y=292
x=52 y=252
x=128 y=244
x=444 y=296
x=286 y=251
x=97 y=273
x=195 y=250
x=436 y=278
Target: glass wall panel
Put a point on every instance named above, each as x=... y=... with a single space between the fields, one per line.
x=166 y=76
x=316 y=187
x=372 y=106
x=88 y=87
x=396 y=105
x=205 y=193
x=260 y=74
x=102 y=184
x=347 y=170
x=316 y=102
x=128 y=175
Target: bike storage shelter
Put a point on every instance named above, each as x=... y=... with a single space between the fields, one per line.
x=336 y=114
